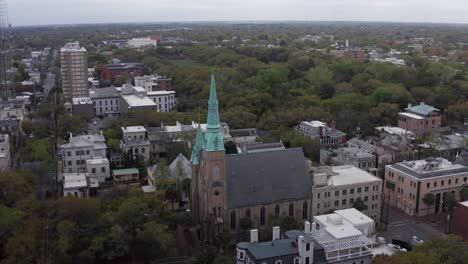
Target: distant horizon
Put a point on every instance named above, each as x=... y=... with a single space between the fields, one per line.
x=244 y=22
x=75 y=12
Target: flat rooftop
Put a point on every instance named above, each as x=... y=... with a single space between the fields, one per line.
x=137 y=101
x=428 y=168
x=394 y=130
x=74 y=180
x=347 y=174
x=104 y=92
x=133 y=129
x=336 y=226
x=354 y=216
x=160 y=93
x=82 y=100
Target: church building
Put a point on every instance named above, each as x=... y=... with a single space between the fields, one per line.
x=260 y=185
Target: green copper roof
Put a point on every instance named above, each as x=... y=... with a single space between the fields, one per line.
x=213 y=137
x=422 y=109
x=199 y=144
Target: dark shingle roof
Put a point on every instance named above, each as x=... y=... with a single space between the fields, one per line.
x=271 y=249
x=266 y=177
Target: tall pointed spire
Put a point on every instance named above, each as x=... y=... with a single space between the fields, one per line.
x=213 y=137
x=199 y=144
x=213 y=115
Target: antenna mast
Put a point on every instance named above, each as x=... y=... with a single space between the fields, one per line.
x=6 y=76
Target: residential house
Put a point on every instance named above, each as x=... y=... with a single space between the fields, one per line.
x=79 y=150
x=341 y=237
x=5 y=155
x=317 y=130
x=135 y=143
x=78 y=185
x=154 y=82
x=126 y=177
x=420 y=119
x=356 y=157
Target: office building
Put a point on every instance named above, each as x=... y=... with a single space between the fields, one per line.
x=340 y=187
x=408 y=183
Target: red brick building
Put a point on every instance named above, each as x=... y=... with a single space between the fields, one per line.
x=112 y=72
x=460 y=220
x=420 y=119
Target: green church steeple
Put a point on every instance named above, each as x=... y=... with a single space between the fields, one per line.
x=199 y=144
x=213 y=137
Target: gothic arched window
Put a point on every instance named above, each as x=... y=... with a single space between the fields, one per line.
x=304 y=210
x=262 y=216
x=291 y=209
x=233 y=219
x=277 y=210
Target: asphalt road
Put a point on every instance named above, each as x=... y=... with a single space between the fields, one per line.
x=404 y=227
x=49 y=83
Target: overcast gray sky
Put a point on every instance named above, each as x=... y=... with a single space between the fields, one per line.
x=40 y=12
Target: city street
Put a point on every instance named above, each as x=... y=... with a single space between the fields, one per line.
x=404 y=227
x=49 y=83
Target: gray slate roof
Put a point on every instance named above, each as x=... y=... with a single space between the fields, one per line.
x=266 y=177
x=271 y=249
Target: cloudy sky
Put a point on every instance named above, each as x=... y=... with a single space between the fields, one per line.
x=40 y=12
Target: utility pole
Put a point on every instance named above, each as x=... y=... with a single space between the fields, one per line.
x=6 y=76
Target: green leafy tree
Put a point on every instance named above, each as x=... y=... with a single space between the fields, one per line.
x=360 y=205
x=230 y=147
x=429 y=200
x=464 y=194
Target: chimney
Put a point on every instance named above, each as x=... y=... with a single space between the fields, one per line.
x=253 y=236
x=421 y=103
x=333 y=126
x=101 y=133
x=71 y=135
x=313 y=228
x=300 y=246
x=307 y=227
x=409 y=105
x=162 y=124
x=276 y=232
